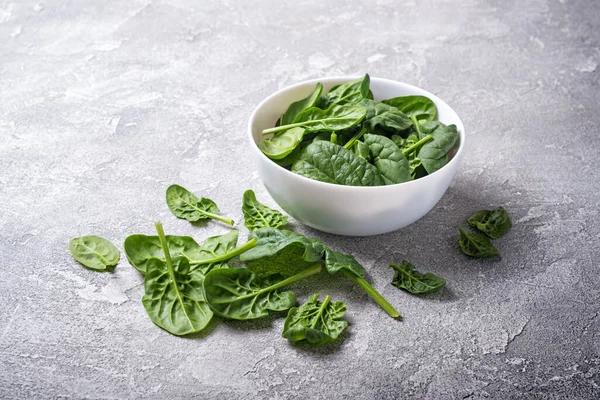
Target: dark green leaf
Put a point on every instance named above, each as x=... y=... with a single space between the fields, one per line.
x=238 y=293
x=494 y=223
x=297 y=107
x=315 y=322
x=388 y=159
x=94 y=252
x=328 y=162
x=434 y=155
x=421 y=107
x=476 y=245
x=335 y=261
x=257 y=215
x=381 y=117
x=362 y=150
x=185 y=205
x=349 y=93
x=411 y=280
x=332 y=119
x=283 y=252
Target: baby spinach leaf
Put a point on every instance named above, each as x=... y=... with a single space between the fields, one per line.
x=185 y=205
x=94 y=252
x=282 y=143
x=315 y=322
x=332 y=119
x=349 y=93
x=291 y=158
x=283 y=252
x=476 y=245
x=382 y=118
x=328 y=162
x=388 y=159
x=434 y=155
x=297 y=107
x=421 y=107
x=494 y=223
x=257 y=215
x=411 y=280
x=214 y=252
x=173 y=297
x=335 y=261
x=238 y=293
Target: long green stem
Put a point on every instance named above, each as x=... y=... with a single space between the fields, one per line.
x=226 y=220
x=228 y=256
x=285 y=127
x=163 y=243
x=355 y=138
x=417 y=145
x=374 y=294
x=416 y=124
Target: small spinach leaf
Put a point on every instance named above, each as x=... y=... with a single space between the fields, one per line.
x=315 y=119
x=315 y=322
x=173 y=297
x=282 y=143
x=420 y=107
x=381 y=118
x=335 y=261
x=434 y=155
x=297 y=107
x=476 y=245
x=257 y=215
x=494 y=223
x=238 y=293
x=328 y=162
x=362 y=150
x=411 y=280
x=388 y=159
x=349 y=93
x=185 y=205
x=94 y=252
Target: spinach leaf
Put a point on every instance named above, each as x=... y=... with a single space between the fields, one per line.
x=411 y=280
x=388 y=159
x=362 y=150
x=94 y=252
x=257 y=215
x=335 y=261
x=283 y=252
x=185 y=205
x=214 y=252
x=291 y=158
x=173 y=297
x=434 y=155
x=476 y=245
x=315 y=322
x=494 y=223
x=349 y=93
x=297 y=107
x=420 y=107
x=238 y=293
x=381 y=118
x=282 y=143
x=332 y=119
x=328 y=162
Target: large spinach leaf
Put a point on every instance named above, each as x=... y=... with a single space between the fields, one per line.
x=388 y=159
x=185 y=205
x=315 y=322
x=408 y=278
x=349 y=93
x=297 y=107
x=282 y=143
x=494 y=223
x=257 y=215
x=332 y=119
x=173 y=297
x=434 y=155
x=420 y=107
x=238 y=293
x=328 y=162
x=476 y=245
x=94 y=252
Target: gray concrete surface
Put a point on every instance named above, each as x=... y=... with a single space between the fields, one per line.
x=103 y=104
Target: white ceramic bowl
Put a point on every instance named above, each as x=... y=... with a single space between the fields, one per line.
x=350 y=210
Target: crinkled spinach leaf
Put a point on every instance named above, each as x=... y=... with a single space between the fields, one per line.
x=315 y=322
x=382 y=118
x=494 y=223
x=257 y=215
x=434 y=155
x=349 y=93
x=388 y=159
x=94 y=252
x=476 y=245
x=420 y=107
x=408 y=278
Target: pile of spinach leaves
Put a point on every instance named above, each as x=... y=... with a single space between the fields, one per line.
x=347 y=138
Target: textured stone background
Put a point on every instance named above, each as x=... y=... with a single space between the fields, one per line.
x=103 y=104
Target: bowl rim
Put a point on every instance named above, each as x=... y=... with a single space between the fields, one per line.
x=455 y=159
